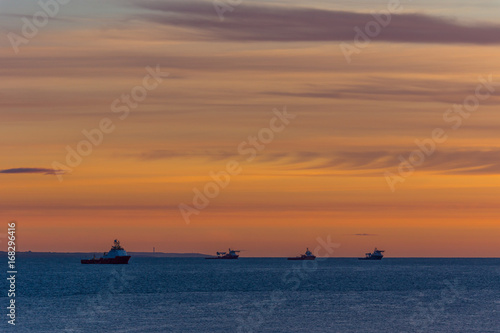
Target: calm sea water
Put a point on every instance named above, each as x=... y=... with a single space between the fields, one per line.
x=58 y=294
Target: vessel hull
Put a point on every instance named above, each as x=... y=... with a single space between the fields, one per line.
x=107 y=261
x=376 y=258
x=302 y=258
x=223 y=258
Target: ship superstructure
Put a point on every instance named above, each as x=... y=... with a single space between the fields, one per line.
x=117 y=255
x=307 y=256
x=376 y=255
x=231 y=254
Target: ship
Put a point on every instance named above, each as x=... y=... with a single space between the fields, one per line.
x=376 y=255
x=117 y=255
x=307 y=256
x=231 y=254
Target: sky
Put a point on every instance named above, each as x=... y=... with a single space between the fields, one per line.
x=178 y=89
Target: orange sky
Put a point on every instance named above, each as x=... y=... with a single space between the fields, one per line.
x=322 y=175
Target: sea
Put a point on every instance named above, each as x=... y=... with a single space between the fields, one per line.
x=58 y=294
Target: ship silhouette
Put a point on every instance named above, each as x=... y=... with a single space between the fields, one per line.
x=117 y=255
x=376 y=255
x=307 y=256
x=231 y=254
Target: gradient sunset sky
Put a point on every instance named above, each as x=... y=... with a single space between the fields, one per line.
x=322 y=175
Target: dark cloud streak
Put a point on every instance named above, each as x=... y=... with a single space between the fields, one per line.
x=283 y=24
x=451 y=162
x=33 y=170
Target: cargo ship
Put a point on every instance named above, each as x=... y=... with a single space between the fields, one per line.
x=117 y=255
x=307 y=256
x=231 y=254
x=376 y=255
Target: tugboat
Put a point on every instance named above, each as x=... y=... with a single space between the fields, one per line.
x=117 y=255
x=231 y=254
x=307 y=256
x=376 y=255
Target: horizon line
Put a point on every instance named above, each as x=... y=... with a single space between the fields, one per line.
x=270 y=257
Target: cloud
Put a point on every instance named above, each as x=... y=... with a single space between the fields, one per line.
x=159 y=154
x=214 y=155
x=365 y=235
x=284 y=24
x=450 y=162
x=34 y=170
x=383 y=89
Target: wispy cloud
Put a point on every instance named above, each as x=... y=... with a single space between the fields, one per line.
x=34 y=170
x=365 y=235
x=383 y=89
x=284 y=24
x=168 y=154
x=464 y=162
